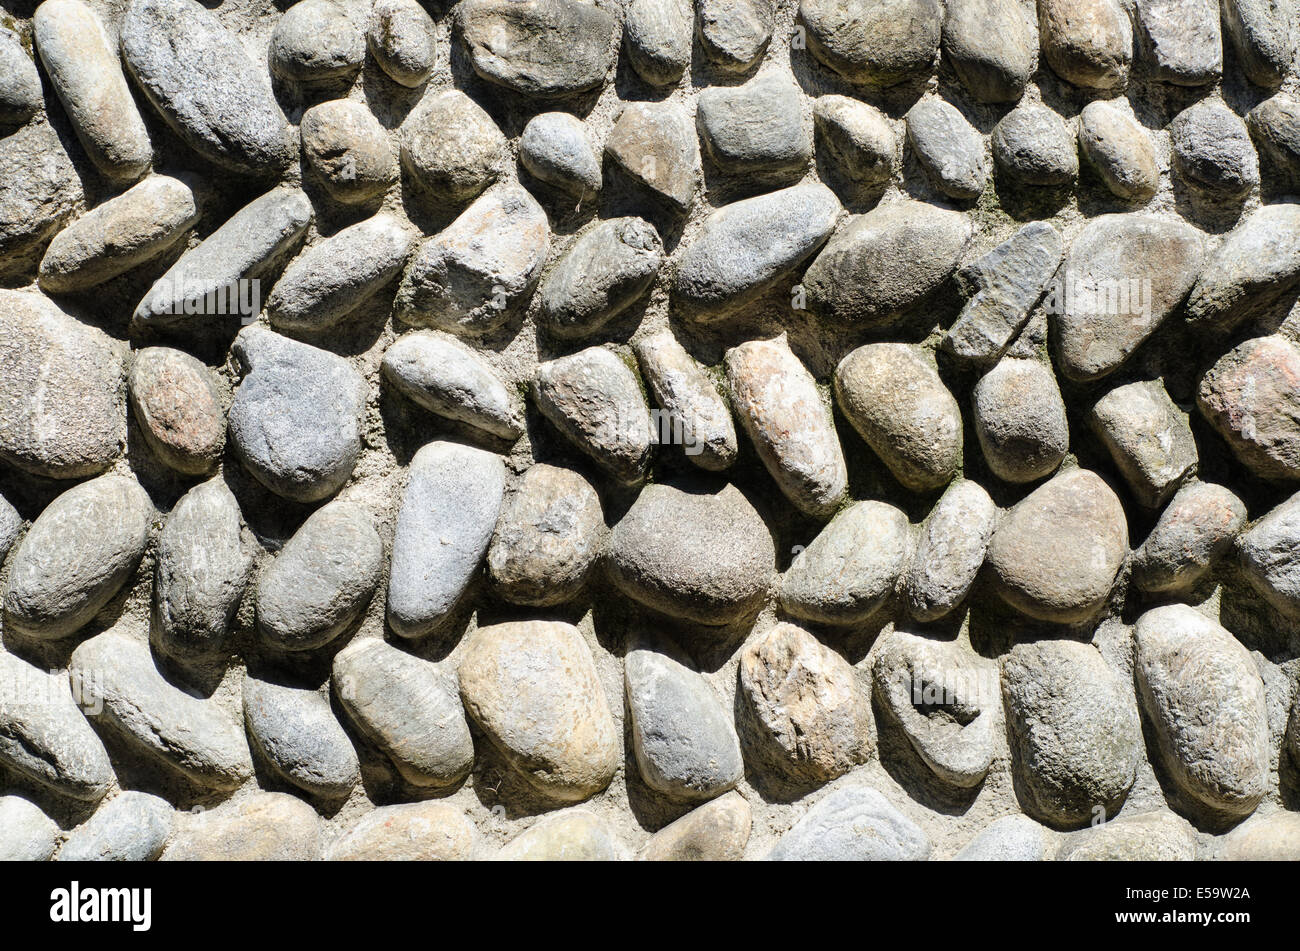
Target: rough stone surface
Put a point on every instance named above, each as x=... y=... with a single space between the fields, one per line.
x=264 y=827
x=1020 y=420
x=691 y=401
x=1212 y=150
x=26 y=833
x=1009 y=839
x=444 y=376
x=297 y=733
x=856 y=138
x=39 y=190
x=735 y=34
x=347 y=150
x=1262 y=34
x=131 y=827
x=176 y=402
x=1269 y=555
x=881 y=44
x=1149 y=439
x=403 y=39
x=1150 y=837
x=1196 y=528
x=1180 y=41
x=456 y=167
x=655 y=145
x=755 y=129
x=949 y=552
x=1087 y=42
x=316 y=40
x=1255 y=266
x=1033 y=145
x=556 y=148
x=412 y=832
x=1119 y=149
x=20 y=89
x=948 y=147
x=603 y=274
x=1250 y=398
x=657 y=38
x=1272 y=838
x=991 y=45
x=718 y=831
x=854 y=823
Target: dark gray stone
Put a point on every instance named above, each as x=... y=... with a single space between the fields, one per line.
x=1032 y=145
x=297 y=733
x=1261 y=33
x=1212 y=150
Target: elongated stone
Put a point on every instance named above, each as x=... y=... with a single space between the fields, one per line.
x=949 y=552
x=130 y=827
x=853 y=823
x=20 y=87
x=1120 y=150
x=1270 y=556
x=717 y=831
x=1250 y=399
x=403 y=39
x=949 y=148
x=175 y=401
x=603 y=274
x=1257 y=265
x=1261 y=31
x=1148 y=437
x=411 y=832
x=1150 y=837
x=297 y=733
x=11 y=526
x=446 y=377
x=574 y=835
x=1020 y=420
x=692 y=404
x=263 y=827
x=39 y=190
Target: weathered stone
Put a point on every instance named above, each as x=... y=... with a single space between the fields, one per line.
x=1204 y=699
x=20 y=87
x=347 y=150
x=1212 y=150
x=1251 y=399
x=1149 y=837
x=1119 y=149
x=1270 y=556
x=133 y=701
x=444 y=525
x=857 y=138
x=532 y=687
x=197 y=75
x=1180 y=41
x=316 y=40
x=882 y=44
x=949 y=552
x=11 y=526
x=574 y=835
x=735 y=33
x=556 y=149
x=802 y=710
x=1087 y=42
x=657 y=37
x=479 y=270
x=1256 y=266
x=1056 y=553
x=755 y=129
x=322 y=579
x=1031 y=144
x=39 y=189
x=948 y=147
x=605 y=272
x=1149 y=439
x=854 y=823
x=1260 y=31
x=1275 y=127
x=781 y=410
x=263 y=827
x=1196 y=528
x=654 y=143
x=455 y=167
x=718 y=831
x=411 y=832
x=403 y=40
x=444 y=376
x=547 y=539
x=1020 y=420
x=26 y=833
x=295 y=421
x=407 y=707
x=176 y=403
x=295 y=731
x=691 y=407
x=62 y=390
x=130 y=827
x=991 y=45
x=1014 y=838
x=1074 y=730
x=1271 y=838
x=713 y=568
x=76 y=556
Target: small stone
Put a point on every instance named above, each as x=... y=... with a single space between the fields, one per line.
x=1275 y=126
x=882 y=44
x=893 y=396
x=801 y=705
x=407 y=707
x=857 y=138
x=1212 y=150
x=547 y=539
x=683 y=738
x=476 y=273
x=1270 y=556
x=11 y=526
x=848 y=571
x=689 y=402
x=556 y=149
x=333 y=278
x=295 y=421
x=39 y=190
x=544 y=48
x=1020 y=420
x=574 y=835
x=322 y=580
x=991 y=45
x=1204 y=699
x=1009 y=839
x=717 y=831
x=948 y=147
x=755 y=129
x=949 y=552
x=296 y=732
x=1196 y=528
x=1180 y=41
x=455 y=167
x=1271 y=838
x=176 y=403
x=133 y=701
x=441 y=374
x=1003 y=288
x=654 y=143
x=130 y=827
x=936 y=691
x=714 y=568
x=854 y=823
x=403 y=39
x=204 y=564
x=1260 y=31
x=347 y=150
x=76 y=556
x=609 y=267
x=449 y=509
x=595 y=400
x=1087 y=42
x=1149 y=439
x=62 y=390
x=735 y=33
x=1119 y=149
x=1150 y=837
x=532 y=687
x=411 y=832
x=1123 y=276
x=1256 y=265
x=782 y=412
x=214 y=280
x=1032 y=145
x=20 y=89
x=26 y=833
x=43 y=735
x=198 y=76
x=84 y=69
x=1056 y=553
x=316 y=40
x=657 y=37
x=1250 y=398
x=883 y=262
x=1074 y=730
x=263 y=827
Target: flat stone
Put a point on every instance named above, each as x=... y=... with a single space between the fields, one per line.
x=1087 y=42
x=1148 y=437
x=1270 y=556
x=442 y=375
x=948 y=147
x=532 y=687
x=407 y=707
x=316 y=40
x=1204 y=699
x=606 y=271
x=689 y=403
x=654 y=143
x=949 y=552
x=1212 y=150
x=992 y=47
x=1014 y=838
x=347 y=151
x=1180 y=41
x=1020 y=420
x=1031 y=144
x=296 y=732
x=76 y=556
x=62 y=390
x=1075 y=736
x=176 y=403
x=882 y=44
x=456 y=168
x=683 y=738
x=263 y=827
x=132 y=700
x=1274 y=126
x=1150 y=837
x=735 y=33
x=295 y=422
x=756 y=128
x=1256 y=266
x=1119 y=149
x=322 y=580
x=854 y=823
x=20 y=89
x=556 y=149
x=715 y=567
x=197 y=75
x=410 y=832
x=39 y=189
x=1250 y=399
x=26 y=833
x=717 y=831
x=779 y=407
x=547 y=538
x=449 y=509
x=1261 y=34
x=857 y=138
x=1196 y=528
x=403 y=39
x=574 y=835
x=1271 y=838
x=800 y=707
x=657 y=38
x=130 y=827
